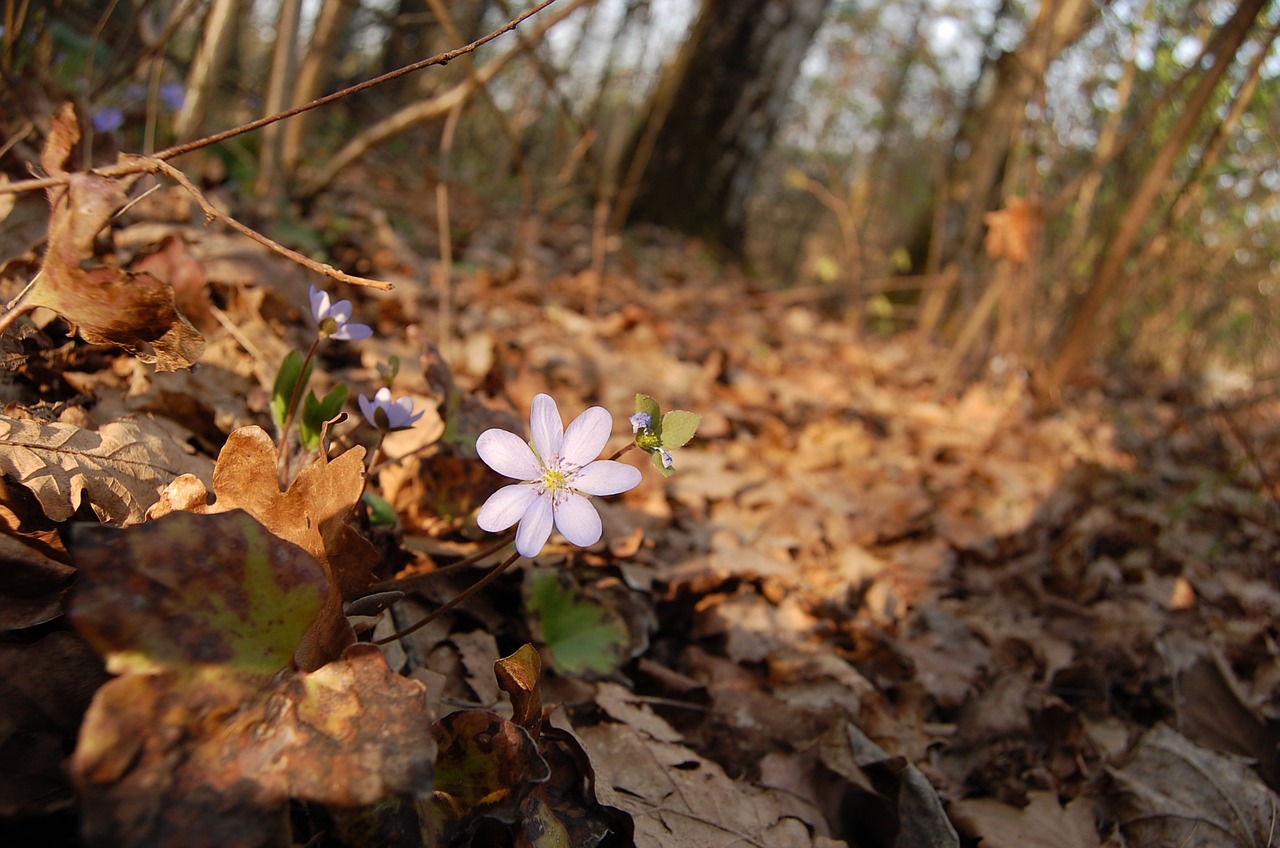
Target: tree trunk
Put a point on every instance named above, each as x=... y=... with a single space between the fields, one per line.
x=1109 y=271
x=313 y=78
x=206 y=71
x=693 y=159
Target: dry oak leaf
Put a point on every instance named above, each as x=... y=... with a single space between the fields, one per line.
x=121 y=467
x=312 y=514
x=107 y=304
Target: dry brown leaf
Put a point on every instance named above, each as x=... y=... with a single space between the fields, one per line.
x=1171 y=792
x=119 y=468
x=312 y=514
x=676 y=797
x=1043 y=823
x=32 y=586
x=106 y=303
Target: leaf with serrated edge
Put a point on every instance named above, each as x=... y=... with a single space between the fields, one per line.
x=120 y=468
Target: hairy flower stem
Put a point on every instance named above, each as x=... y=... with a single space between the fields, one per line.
x=293 y=411
x=452 y=602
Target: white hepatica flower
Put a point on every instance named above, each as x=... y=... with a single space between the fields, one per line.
x=559 y=471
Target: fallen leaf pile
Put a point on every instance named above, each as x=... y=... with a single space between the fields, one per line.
x=862 y=611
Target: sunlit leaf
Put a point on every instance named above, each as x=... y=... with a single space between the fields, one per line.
x=678 y=428
x=286 y=386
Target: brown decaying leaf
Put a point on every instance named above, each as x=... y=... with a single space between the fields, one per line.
x=107 y=304
x=312 y=514
x=1171 y=792
x=120 y=467
x=32 y=586
x=170 y=764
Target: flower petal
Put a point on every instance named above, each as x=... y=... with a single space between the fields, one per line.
x=606 y=477
x=545 y=427
x=535 y=527
x=506 y=454
x=368 y=409
x=505 y=507
x=353 y=332
x=587 y=435
x=319 y=304
x=578 y=521
x=340 y=311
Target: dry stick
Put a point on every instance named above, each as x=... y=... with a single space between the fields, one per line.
x=134 y=166
x=452 y=602
x=153 y=164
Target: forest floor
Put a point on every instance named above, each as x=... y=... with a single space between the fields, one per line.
x=862 y=611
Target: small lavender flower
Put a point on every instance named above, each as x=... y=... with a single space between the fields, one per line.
x=559 y=469
x=108 y=119
x=667 y=461
x=641 y=421
x=386 y=414
x=173 y=94
x=334 y=319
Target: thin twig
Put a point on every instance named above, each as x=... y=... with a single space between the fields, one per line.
x=135 y=166
x=452 y=602
x=152 y=165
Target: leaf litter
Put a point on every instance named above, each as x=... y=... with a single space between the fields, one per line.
x=860 y=613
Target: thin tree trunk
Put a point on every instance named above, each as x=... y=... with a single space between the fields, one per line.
x=1083 y=330
x=211 y=58
x=269 y=186
x=314 y=76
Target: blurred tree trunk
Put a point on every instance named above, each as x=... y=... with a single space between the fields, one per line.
x=318 y=66
x=693 y=159
x=418 y=34
x=985 y=136
x=217 y=37
x=1083 y=331
x=269 y=185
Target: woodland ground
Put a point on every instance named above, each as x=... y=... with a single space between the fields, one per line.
x=863 y=609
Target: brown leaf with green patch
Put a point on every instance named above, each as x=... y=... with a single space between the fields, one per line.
x=168 y=762
x=192 y=594
x=312 y=514
x=108 y=304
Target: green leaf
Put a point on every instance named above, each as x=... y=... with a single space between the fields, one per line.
x=648 y=405
x=584 y=637
x=316 y=412
x=286 y=385
x=678 y=428
x=380 y=512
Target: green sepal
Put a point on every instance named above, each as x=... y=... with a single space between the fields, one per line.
x=648 y=405
x=287 y=385
x=656 y=456
x=316 y=412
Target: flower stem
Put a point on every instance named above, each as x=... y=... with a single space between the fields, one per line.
x=620 y=451
x=452 y=602
x=403 y=582
x=292 y=412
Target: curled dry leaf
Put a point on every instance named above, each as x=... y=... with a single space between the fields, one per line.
x=120 y=468
x=107 y=304
x=312 y=514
